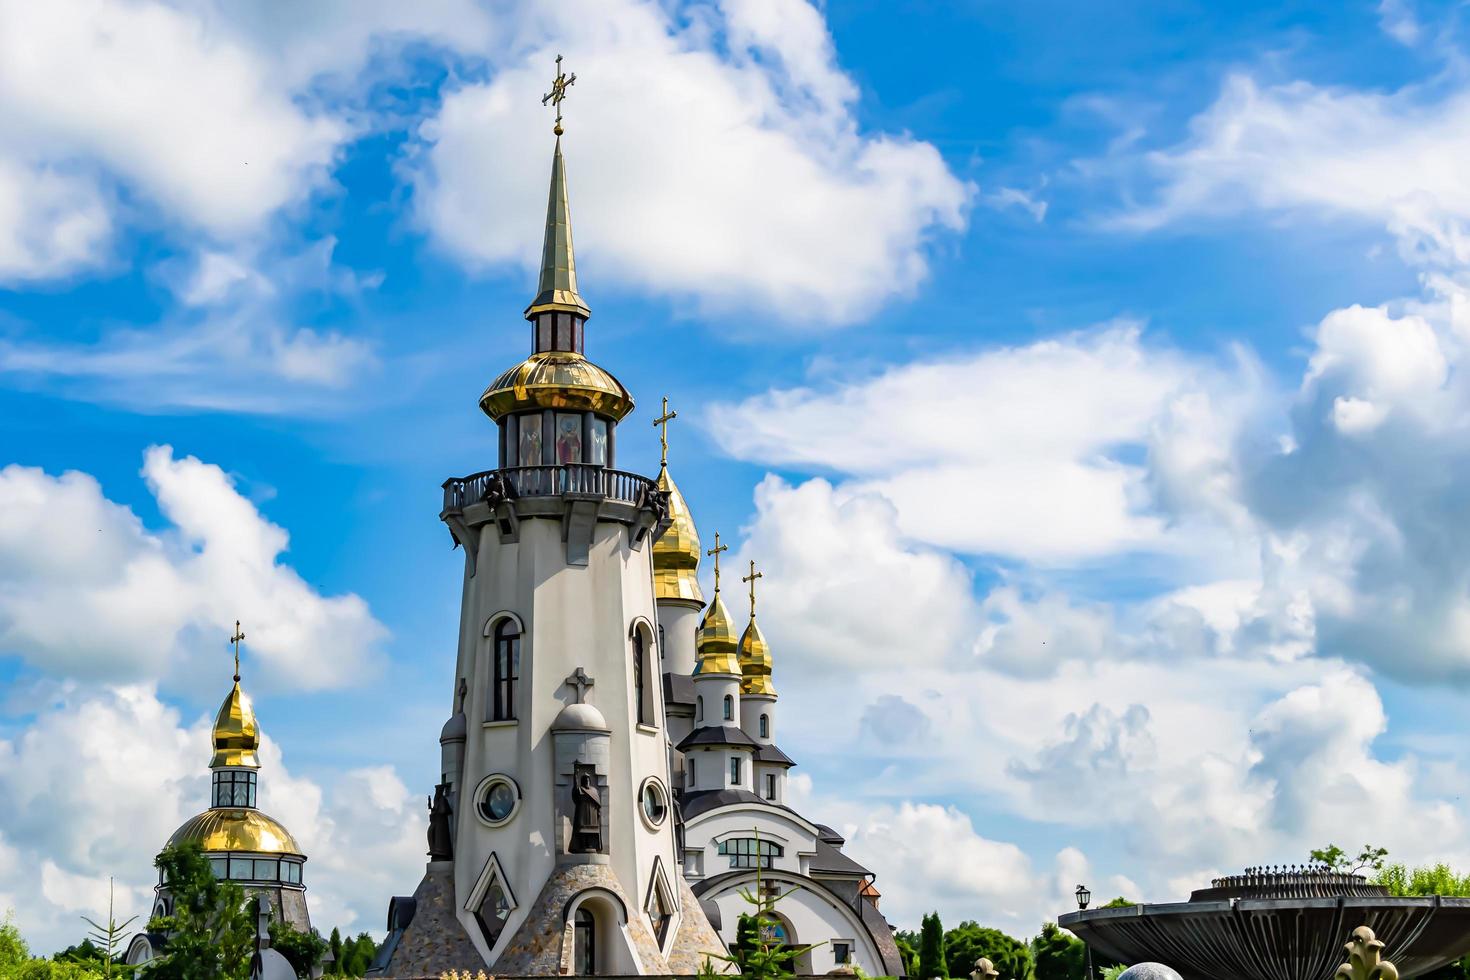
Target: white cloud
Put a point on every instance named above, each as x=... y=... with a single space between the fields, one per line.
x=86 y=591
x=735 y=127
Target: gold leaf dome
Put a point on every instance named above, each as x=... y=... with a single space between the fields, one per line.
x=716 y=642
x=556 y=379
x=236 y=829
x=755 y=662
x=236 y=735
x=676 y=552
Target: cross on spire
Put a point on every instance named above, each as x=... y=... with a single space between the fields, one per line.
x=239 y=635
x=581 y=682
x=715 y=551
x=558 y=93
x=662 y=422
x=751 y=579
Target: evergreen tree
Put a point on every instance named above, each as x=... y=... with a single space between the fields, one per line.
x=1058 y=955
x=210 y=933
x=334 y=943
x=931 y=948
x=969 y=941
x=908 y=949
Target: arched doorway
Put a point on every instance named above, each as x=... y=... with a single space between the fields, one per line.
x=783 y=933
x=584 y=943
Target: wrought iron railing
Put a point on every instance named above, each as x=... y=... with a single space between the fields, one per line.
x=547 y=481
x=1282 y=881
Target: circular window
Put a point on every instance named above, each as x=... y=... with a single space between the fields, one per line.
x=653 y=803
x=497 y=799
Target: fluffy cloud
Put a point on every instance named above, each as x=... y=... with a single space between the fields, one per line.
x=735 y=125
x=87 y=591
x=73 y=778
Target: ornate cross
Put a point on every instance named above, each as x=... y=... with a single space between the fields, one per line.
x=716 y=552
x=558 y=93
x=751 y=579
x=239 y=635
x=663 y=440
x=581 y=682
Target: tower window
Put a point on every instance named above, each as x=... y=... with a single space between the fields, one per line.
x=770 y=786
x=699 y=708
x=662 y=655
x=735 y=772
x=729 y=707
x=597 y=441
x=234 y=788
x=639 y=670
x=750 y=852
x=507 y=670
x=689 y=771
x=528 y=435
x=765 y=726
x=568 y=438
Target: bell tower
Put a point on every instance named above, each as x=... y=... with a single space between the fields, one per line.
x=564 y=856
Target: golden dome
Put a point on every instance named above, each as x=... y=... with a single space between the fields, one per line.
x=236 y=736
x=716 y=642
x=755 y=662
x=236 y=829
x=676 y=552
x=556 y=379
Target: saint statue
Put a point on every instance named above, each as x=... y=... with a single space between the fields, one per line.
x=441 y=838
x=586 y=813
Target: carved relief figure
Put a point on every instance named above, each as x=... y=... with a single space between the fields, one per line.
x=586 y=813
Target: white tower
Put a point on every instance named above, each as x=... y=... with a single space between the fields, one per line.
x=556 y=758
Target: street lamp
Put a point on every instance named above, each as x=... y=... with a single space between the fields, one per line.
x=1083 y=898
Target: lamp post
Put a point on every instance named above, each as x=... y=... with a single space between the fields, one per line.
x=1084 y=897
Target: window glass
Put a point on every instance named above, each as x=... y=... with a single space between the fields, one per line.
x=220 y=867
x=242 y=869
x=543 y=332
x=734 y=772
x=729 y=708
x=765 y=726
x=265 y=870
x=841 y=952
x=530 y=439
x=689 y=767
x=699 y=708
x=568 y=438
x=293 y=872
x=653 y=803
x=748 y=852
x=770 y=786
x=641 y=703
x=494 y=911
x=597 y=451
x=499 y=800
x=507 y=670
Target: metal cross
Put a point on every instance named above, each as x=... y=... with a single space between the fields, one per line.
x=581 y=682
x=558 y=93
x=751 y=579
x=663 y=440
x=716 y=552
x=239 y=635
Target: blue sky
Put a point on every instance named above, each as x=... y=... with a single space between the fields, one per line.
x=1086 y=378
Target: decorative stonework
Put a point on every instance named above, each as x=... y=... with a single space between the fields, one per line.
x=1365 y=958
x=696 y=939
x=434 y=942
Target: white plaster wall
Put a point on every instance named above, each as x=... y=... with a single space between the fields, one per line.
x=752 y=706
x=714 y=688
x=815 y=916
x=680 y=621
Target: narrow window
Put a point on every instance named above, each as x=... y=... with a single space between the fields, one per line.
x=584 y=944
x=507 y=669
x=770 y=786
x=699 y=708
x=638 y=677
x=729 y=708
x=734 y=772
x=597 y=442
x=661 y=654
x=841 y=952
x=689 y=765
x=765 y=726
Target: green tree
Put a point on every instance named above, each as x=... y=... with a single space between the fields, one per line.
x=334 y=944
x=1058 y=954
x=908 y=949
x=104 y=938
x=931 y=948
x=13 y=948
x=303 y=950
x=210 y=933
x=1370 y=858
x=968 y=941
x=357 y=955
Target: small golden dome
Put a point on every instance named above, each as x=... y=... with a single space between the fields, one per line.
x=556 y=379
x=716 y=643
x=236 y=735
x=755 y=662
x=236 y=829
x=676 y=552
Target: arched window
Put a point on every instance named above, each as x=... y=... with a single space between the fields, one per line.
x=584 y=944
x=765 y=726
x=729 y=707
x=507 y=670
x=699 y=708
x=662 y=655
x=639 y=670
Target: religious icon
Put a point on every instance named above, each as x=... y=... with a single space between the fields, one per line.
x=530 y=440
x=597 y=451
x=568 y=438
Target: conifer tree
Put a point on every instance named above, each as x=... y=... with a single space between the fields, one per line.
x=931 y=948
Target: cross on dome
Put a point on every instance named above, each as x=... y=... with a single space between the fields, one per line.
x=579 y=680
x=751 y=579
x=662 y=422
x=715 y=551
x=239 y=635
x=558 y=93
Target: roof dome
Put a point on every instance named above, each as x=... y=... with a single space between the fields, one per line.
x=755 y=662
x=556 y=379
x=580 y=718
x=236 y=735
x=716 y=642
x=676 y=552
x=1149 y=971
x=236 y=829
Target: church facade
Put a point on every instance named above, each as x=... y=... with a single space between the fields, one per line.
x=591 y=817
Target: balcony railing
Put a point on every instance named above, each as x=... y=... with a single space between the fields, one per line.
x=547 y=481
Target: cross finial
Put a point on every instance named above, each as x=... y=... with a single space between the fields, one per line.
x=581 y=682
x=662 y=422
x=715 y=551
x=751 y=579
x=558 y=93
x=239 y=635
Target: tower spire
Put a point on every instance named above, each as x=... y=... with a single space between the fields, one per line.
x=557 y=289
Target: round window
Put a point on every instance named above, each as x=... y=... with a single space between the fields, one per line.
x=497 y=799
x=654 y=807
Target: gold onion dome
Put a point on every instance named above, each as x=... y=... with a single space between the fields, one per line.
x=556 y=379
x=236 y=829
x=676 y=552
x=755 y=662
x=236 y=734
x=716 y=645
